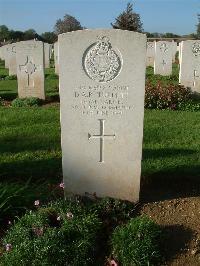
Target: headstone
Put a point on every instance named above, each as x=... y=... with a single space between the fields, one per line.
x=174 y=50
x=102 y=83
x=189 y=75
x=46 y=55
x=163 y=58
x=150 y=53
x=7 y=54
x=30 y=69
x=12 y=60
x=56 y=57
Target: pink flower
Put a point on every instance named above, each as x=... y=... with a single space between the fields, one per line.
x=8 y=247
x=113 y=263
x=70 y=215
x=62 y=185
x=37 y=203
x=38 y=231
x=58 y=218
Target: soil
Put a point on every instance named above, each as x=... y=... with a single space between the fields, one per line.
x=176 y=207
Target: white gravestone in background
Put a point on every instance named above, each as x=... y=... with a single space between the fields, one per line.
x=189 y=74
x=102 y=83
x=30 y=69
x=163 y=58
x=56 y=57
x=150 y=53
x=7 y=48
x=47 y=55
x=12 y=60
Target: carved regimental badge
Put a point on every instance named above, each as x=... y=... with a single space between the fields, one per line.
x=196 y=49
x=163 y=47
x=101 y=61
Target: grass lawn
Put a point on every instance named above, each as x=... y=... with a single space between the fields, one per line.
x=30 y=145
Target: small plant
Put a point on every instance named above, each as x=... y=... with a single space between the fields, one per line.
x=166 y=97
x=1 y=101
x=11 y=77
x=137 y=243
x=51 y=76
x=62 y=233
x=26 y=102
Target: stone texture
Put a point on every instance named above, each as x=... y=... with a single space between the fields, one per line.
x=47 y=54
x=189 y=74
x=12 y=60
x=7 y=48
x=163 y=58
x=56 y=57
x=150 y=54
x=102 y=83
x=30 y=69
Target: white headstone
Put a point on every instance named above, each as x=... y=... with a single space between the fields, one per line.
x=30 y=69
x=189 y=74
x=102 y=83
x=12 y=60
x=150 y=53
x=56 y=57
x=163 y=58
x=47 y=55
x=7 y=55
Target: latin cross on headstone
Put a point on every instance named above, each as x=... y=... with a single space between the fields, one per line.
x=163 y=63
x=195 y=76
x=29 y=68
x=102 y=136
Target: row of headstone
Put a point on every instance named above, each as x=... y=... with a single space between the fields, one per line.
x=161 y=55
x=27 y=60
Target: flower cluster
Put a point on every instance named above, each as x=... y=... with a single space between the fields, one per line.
x=165 y=97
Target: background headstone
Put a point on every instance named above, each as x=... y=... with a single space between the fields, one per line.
x=12 y=60
x=47 y=52
x=56 y=58
x=102 y=83
x=7 y=55
x=189 y=74
x=150 y=53
x=163 y=58
x=30 y=69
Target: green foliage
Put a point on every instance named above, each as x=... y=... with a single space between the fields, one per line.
x=137 y=243
x=1 y=101
x=26 y=102
x=11 y=77
x=128 y=20
x=191 y=105
x=49 y=37
x=62 y=233
x=4 y=33
x=51 y=76
x=16 y=197
x=69 y=23
x=165 y=97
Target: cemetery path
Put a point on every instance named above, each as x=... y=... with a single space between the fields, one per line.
x=180 y=219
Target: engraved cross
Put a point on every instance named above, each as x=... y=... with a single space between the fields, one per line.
x=29 y=68
x=163 y=63
x=195 y=76
x=102 y=136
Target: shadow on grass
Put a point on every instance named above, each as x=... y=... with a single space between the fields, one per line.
x=49 y=169
x=8 y=96
x=178 y=182
x=175 y=240
x=163 y=153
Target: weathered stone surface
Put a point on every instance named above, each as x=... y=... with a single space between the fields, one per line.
x=102 y=81
x=7 y=48
x=189 y=74
x=12 y=60
x=150 y=53
x=30 y=69
x=56 y=58
x=163 y=58
x=47 y=53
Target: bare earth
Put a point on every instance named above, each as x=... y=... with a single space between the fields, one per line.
x=180 y=219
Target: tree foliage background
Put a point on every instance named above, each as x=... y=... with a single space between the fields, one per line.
x=128 y=20
x=67 y=24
